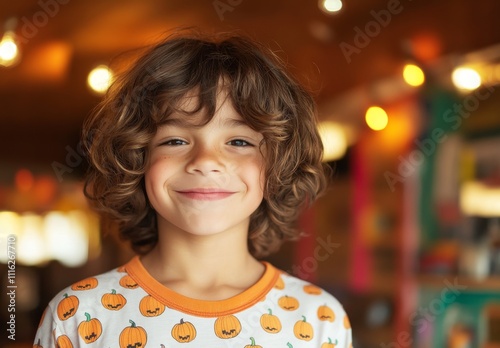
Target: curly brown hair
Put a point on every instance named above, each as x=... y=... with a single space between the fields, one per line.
x=117 y=135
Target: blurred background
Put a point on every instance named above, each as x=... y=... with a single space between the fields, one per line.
x=408 y=234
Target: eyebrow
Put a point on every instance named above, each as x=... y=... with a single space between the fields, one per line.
x=184 y=123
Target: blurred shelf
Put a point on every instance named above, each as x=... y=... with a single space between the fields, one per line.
x=437 y=281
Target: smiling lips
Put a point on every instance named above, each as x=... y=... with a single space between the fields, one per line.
x=206 y=194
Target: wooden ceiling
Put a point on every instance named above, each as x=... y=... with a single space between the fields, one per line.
x=44 y=98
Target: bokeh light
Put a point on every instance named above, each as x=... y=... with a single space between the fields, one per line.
x=466 y=78
x=100 y=78
x=413 y=75
x=376 y=118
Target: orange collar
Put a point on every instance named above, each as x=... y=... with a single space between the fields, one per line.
x=202 y=308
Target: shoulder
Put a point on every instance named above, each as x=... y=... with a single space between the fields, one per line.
x=89 y=293
x=305 y=292
x=313 y=313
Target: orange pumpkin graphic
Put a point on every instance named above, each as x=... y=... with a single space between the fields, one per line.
x=113 y=301
x=151 y=307
x=128 y=282
x=347 y=323
x=252 y=344
x=184 y=332
x=329 y=344
x=312 y=289
x=63 y=341
x=270 y=323
x=280 y=284
x=288 y=303
x=325 y=313
x=90 y=329
x=227 y=326
x=67 y=307
x=133 y=336
x=303 y=330
x=86 y=284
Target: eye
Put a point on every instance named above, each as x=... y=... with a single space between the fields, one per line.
x=174 y=142
x=239 y=143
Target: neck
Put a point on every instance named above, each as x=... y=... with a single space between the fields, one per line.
x=216 y=266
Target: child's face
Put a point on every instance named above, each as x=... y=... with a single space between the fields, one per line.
x=209 y=179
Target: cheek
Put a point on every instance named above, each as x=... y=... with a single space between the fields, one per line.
x=155 y=177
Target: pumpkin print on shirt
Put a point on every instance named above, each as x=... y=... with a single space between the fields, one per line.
x=303 y=330
x=270 y=323
x=288 y=303
x=325 y=313
x=184 y=332
x=128 y=308
x=151 y=307
x=86 y=284
x=252 y=344
x=67 y=307
x=90 y=330
x=133 y=336
x=227 y=326
x=63 y=341
x=113 y=301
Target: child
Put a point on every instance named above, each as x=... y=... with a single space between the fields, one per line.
x=204 y=152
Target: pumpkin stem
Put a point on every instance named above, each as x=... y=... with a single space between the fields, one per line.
x=270 y=311
x=304 y=320
x=113 y=291
x=289 y=345
x=132 y=324
x=336 y=341
x=182 y=320
x=253 y=341
x=87 y=316
x=65 y=295
x=330 y=341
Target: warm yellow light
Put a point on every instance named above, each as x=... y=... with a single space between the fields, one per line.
x=66 y=236
x=376 y=118
x=413 y=75
x=330 y=6
x=100 y=78
x=334 y=140
x=8 y=50
x=466 y=78
x=63 y=236
x=31 y=247
x=9 y=227
x=477 y=199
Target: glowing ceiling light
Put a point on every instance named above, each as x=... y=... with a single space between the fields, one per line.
x=413 y=75
x=376 y=118
x=466 y=78
x=9 y=51
x=334 y=140
x=100 y=78
x=330 y=6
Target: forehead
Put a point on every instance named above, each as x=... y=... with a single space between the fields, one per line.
x=190 y=112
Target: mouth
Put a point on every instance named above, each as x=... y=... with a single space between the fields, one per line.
x=205 y=194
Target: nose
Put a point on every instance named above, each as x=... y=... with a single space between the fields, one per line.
x=205 y=159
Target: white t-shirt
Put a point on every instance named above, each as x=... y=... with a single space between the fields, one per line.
x=128 y=308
